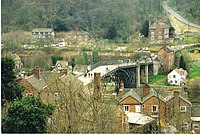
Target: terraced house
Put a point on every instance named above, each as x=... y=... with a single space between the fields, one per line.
x=165 y=106
x=43 y=32
x=35 y=83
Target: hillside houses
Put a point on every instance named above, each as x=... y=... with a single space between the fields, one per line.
x=166 y=106
x=43 y=32
x=158 y=32
x=166 y=56
x=35 y=83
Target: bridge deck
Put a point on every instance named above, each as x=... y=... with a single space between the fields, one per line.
x=104 y=70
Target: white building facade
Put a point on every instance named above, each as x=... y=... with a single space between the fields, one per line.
x=177 y=77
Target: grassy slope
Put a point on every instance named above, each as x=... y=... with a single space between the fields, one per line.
x=159 y=79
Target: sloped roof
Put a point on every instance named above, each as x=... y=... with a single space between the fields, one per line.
x=63 y=63
x=42 y=30
x=45 y=79
x=133 y=94
x=180 y=71
x=166 y=49
x=195 y=110
x=157 y=23
x=15 y=57
x=161 y=94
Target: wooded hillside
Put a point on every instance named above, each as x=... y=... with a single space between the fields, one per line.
x=112 y=19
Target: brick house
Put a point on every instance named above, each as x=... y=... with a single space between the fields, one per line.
x=166 y=57
x=60 y=88
x=195 y=117
x=43 y=32
x=158 y=32
x=177 y=77
x=35 y=83
x=158 y=104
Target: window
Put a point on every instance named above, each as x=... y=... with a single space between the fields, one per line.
x=154 y=108
x=182 y=108
x=126 y=108
x=143 y=106
x=171 y=81
x=56 y=96
x=160 y=37
x=175 y=81
x=185 y=126
x=174 y=76
x=137 y=108
x=29 y=94
x=196 y=126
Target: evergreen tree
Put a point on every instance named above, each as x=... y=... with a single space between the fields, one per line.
x=86 y=58
x=55 y=59
x=73 y=64
x=182 y=63
x=10 y=88
x=28 y=115
x=145 y=29
x=95 y=56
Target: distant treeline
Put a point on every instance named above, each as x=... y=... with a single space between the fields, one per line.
x=111 y=19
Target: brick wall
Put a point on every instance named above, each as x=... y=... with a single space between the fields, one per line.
x=131 y=102
x=147 y=109
x=28 y=88
x=167 y=59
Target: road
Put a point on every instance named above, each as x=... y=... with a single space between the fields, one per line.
x=180 y=47
x=176 y=15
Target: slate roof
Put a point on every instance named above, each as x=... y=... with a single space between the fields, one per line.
x=133 y=94
x=45 y=79
x=180 y=71
x=42 y=30
x=63 y=63
x=167 y=49
x=162 y=94
x=155 y=25
x=195 y=110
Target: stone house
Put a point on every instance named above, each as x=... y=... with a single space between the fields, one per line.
x=61 y=66
x=43 y=32
x=35 y=83
x=158 y=104
x=17 y=61
x=166 y=56
x=82 y=36
x=177 y=77
x=195 y=117
x=158 y=32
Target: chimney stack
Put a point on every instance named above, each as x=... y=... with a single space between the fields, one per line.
x=121 y=89
x=176 y=101
x=146 y=90
x=97 y=86
x=36 y=73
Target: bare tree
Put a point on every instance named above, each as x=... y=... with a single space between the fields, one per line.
x=77 y=111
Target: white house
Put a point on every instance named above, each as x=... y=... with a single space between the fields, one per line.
x=177 y=77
